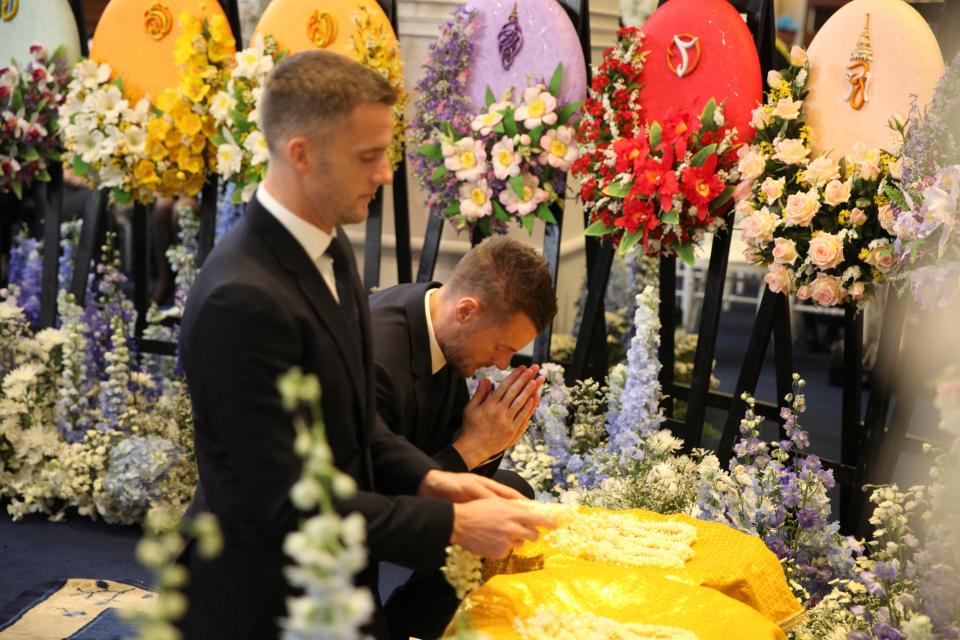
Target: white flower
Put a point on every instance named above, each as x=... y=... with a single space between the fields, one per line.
x=787 y=109
x=229 y=159
x=251 y=62
x=539 y=107
x=784 y=251
x=532 y=196
x=560 y=148
x=773 y=189
x=798 y=56
x=23 y=375
x=221 y=105
x=505 y=159
x=791 y=151
x=466 y=157
x=759 y=226
x=752 y=163
x=88 y=145
x=256 y=144
x=50 y=338
x=820 y=171
x=759 y=118
x=774 y=78
x=135 y=139
x=837 y=192
x=865 y=159
x=485 y=122
x=475 y=200
x=802 y=207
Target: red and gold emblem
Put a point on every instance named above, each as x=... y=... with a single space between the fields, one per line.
x=683 y=54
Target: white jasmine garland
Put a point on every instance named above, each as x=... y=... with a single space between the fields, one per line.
x=551 y=622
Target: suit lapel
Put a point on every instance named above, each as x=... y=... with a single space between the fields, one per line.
x=421 y=366
x=294 y=259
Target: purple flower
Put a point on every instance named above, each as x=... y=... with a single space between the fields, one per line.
x=887 y=570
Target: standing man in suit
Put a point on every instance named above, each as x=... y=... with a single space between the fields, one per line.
x=428 y=338
x=281 y=290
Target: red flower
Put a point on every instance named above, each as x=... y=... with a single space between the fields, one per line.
x=701 y=185
x=647 y=176
x=629 y=151
x=669 y=187
x=676 y=132
x=637 y=214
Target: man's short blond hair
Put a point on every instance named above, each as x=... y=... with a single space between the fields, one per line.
x=309 y=93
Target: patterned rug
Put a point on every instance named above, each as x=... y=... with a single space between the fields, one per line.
x=74 y=609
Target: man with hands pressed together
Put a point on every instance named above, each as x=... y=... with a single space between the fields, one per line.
x=281 y=290
x=428 y=338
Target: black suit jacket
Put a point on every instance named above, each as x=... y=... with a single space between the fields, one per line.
x=425 y=408
x=258 y=308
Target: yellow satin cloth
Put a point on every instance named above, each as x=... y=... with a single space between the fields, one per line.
x=733 y=588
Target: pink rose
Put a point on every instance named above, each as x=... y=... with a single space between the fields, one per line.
x=741 y=195
x=802 y=207
x=791 y=151
x=857 y=216
x=887 y=218
x=798 y=56
x=779 y=278
x=821 y=170
x=826 y=291
x=803 y=293
x=837 y=192
x=759 y=227
x=773 y=189
x=857 y=290
x=881 y=255
x=826 y=250
x=752 y=163
x=784 y=251
x=744 y=208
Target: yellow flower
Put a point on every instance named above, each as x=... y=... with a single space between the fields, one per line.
x=195 y=88
x=145 y=173
x=171 y=180
x=189 y=123
x=198 y=143
x=158 y=128
x=188 y=161
x=194 y=184
x=880 y=199
x=155 y=150
x=863 y=255
x=172 y=141
x=167 y=100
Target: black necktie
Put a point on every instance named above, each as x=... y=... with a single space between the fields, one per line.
x=344 y=280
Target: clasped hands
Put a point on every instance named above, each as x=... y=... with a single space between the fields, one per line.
x=489 y=519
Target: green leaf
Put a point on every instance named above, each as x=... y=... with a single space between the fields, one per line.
x=483 y=225
x=30 y=153
x=535 y=135
x=628 y=242
x=617 y=190
x=17 y=189
x=499 y=212
x=498 y=128
x=544 y=213
x=556 y=80
x=79 y=166
x=528 y=221
x=568 y=111
x=43 y=176
x=488 y=97
x=722 y=199
x=452 y=209
x=516 y=183
x=509 y=123
x=706 y=118
x=596 y=230
x=439 y=173
x=703 y=154
x=670 y=217
x=121 y=197
x=433 y=151
x=686 y=253
x=448 y=129
x=656 y=135
x=863 y=203
x=218 y=140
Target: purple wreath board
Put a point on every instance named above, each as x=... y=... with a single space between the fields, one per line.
x=520 y=42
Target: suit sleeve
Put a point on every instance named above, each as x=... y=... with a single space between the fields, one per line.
x=233 y=366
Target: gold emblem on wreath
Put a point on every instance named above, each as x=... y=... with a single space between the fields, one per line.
x=683 y=54
x=8 y=9
x=158 y=21
x=322 y=29
x=858 y=72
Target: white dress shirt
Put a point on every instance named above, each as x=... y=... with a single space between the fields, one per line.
x=314 y=240
x=437 y=361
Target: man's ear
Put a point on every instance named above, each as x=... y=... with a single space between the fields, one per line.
x=466 y=309
x=296 y=151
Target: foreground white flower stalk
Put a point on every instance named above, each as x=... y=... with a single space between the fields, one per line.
x=327 y=550
x=551 y=622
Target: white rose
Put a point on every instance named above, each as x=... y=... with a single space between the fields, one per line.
x=752 y=163
x=826 y=291
x=865 y=159
x=791 y=151
x=744 y=208
x=784 y=251
x=798 y=56
x=837 y=192
x=759 y=118
x=857 y=216
x=896 y=169
x=857 y=290
x=759 y=227
x=821 y=170
x=826 y=250
x=787 y=109
x=802 y=207
x=773 y=189
x=774 y=78
x=779 y=279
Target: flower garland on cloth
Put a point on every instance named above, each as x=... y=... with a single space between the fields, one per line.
x=664 y=184
x=328 y=551
x=30 y=96
x=507 y=163
x=551 y=622
x=139 y=152
x=822 y=228
x=242 y=152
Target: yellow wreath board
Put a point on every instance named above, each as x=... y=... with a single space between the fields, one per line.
x=136 y=38
x=898 y=51
x=310 y=25
x=23 y=23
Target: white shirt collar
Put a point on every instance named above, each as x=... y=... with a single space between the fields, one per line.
x=314 y=240
x=437 y=361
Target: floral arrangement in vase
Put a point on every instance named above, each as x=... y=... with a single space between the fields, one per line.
x=821 y=227
x=661 y=185
x=509 y=162
x=30 y=95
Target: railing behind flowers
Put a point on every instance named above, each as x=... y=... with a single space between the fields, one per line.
x=373 y=240
x=579 y=14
